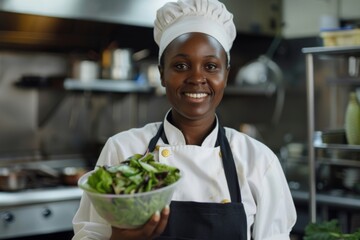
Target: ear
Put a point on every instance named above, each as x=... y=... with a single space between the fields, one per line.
x=161 y=71
x=227 y=75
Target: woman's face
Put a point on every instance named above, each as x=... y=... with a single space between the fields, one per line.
x=194 y=73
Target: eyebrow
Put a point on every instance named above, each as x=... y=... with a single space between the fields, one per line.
x=181 y=55
x=187 y=56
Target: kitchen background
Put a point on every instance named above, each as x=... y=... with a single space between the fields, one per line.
x=52 y=119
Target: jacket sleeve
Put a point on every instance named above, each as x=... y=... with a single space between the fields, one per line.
x=87 y=224
x=276 y=214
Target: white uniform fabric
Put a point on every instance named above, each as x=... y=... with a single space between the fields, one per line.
x=265 y=194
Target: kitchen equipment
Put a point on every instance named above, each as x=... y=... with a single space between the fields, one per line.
x=122 y=67
x=117 y=63
x=50 y=203
x=12 y=179
x=354 y=66
x=150 y=75
x=38 y=81
x=35 y=175
x=351 y=176
x=71 y=175
x=34 y=214
x=264 y=73
x=334 y=136
x=121 y=63
x=86 y=70
x=22 y=177
x=315 y=69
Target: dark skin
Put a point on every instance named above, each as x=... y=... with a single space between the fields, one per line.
x=194 y=73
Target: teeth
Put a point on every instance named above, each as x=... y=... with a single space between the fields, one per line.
x=196 y=95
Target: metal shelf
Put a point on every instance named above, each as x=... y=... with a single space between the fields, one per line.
x=326 y=161
x=103 y=85
x=339 y=162
x=310 y=54
x=131 y=86
x=353 y=50
x=345 y=147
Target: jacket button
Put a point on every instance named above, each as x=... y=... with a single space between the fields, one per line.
x=165 y=153
x=225 y=201
x=157 y=147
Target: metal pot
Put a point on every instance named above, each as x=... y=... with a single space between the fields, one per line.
x=71 y=175
x=86 y=70
x=12 y=179
x=118 y=64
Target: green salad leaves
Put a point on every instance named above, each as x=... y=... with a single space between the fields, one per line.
x=328 y=230
x=139 y=173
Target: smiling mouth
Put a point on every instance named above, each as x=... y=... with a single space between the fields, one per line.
x=196 y=95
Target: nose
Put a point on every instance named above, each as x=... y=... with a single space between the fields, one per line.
x=197 y=76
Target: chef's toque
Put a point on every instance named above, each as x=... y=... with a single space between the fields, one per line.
x=205 y=16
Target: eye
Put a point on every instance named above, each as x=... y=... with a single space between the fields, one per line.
x=211 y=67
x=181 y=66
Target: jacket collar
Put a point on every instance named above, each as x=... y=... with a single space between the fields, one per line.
x=176 y=137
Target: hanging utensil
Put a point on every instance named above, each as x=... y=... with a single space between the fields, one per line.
x=265 y=73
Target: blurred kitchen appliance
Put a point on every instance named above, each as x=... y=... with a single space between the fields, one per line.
x=264 y=73
x=45 y=203
x=117 y=63
x=86 y=70
x=150 y=75
x=12 y=179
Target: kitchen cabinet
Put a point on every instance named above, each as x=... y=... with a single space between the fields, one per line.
x=329 y=82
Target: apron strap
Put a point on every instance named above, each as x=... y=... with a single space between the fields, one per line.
x=160 y=134
x=154 y=140
x=229 y=166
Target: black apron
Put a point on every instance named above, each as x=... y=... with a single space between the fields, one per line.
x=207 y=221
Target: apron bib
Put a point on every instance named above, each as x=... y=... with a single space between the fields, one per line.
x=205 y=220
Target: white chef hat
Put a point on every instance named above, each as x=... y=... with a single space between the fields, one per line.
x=205 y=16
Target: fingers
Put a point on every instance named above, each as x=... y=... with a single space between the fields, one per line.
x=163 y=221
x=157 y=224
x=153 y=228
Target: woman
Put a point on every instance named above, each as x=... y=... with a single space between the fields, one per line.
x=234 y=187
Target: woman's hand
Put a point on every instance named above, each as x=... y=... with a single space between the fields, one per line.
x=153 y=228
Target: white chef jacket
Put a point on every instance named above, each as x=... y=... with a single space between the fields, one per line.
x=267 y=200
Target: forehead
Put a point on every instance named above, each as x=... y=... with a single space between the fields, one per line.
x=195 y=43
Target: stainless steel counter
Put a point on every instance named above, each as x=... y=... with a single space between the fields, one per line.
x=13 y=199
x=38 y=211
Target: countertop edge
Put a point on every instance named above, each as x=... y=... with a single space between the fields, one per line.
x=8 y=199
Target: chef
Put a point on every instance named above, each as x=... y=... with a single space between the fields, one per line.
x=233 y=186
